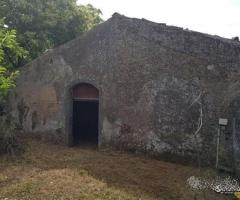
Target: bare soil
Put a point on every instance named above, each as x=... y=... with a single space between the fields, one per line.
x=51 y=172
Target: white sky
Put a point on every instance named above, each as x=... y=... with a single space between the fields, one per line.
x=216 y=17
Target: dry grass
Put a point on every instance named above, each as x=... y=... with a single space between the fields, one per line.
x=56 y=172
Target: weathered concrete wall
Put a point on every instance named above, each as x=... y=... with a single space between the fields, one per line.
x=154 y=82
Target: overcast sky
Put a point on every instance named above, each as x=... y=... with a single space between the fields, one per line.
x=216 y=17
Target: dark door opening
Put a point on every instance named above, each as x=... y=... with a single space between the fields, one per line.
x=85 y=98
x=85 y=122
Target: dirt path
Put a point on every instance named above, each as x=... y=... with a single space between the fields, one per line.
x=56 y=172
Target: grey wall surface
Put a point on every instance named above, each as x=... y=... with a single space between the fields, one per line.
x=155 y=83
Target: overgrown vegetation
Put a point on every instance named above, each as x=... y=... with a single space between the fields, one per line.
x=10 y=53
x=8 y=140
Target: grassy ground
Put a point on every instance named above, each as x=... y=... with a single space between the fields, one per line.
x=56 y=172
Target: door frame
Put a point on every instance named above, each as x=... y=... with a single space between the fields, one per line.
x=68 y=110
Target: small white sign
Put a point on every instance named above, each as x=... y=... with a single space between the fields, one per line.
x=223 y=121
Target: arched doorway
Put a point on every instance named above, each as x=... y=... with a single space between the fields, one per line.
x=85 y=114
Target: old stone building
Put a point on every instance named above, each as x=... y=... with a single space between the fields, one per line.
x=137 y=85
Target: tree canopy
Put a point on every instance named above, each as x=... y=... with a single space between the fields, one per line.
x=44 y=24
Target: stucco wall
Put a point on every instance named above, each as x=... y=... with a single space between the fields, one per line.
x=153 y=79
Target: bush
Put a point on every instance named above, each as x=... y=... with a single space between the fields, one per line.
x=8 y=138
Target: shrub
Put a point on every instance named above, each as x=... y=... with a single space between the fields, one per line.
x=8 y=138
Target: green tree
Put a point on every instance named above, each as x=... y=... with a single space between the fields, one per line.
x=44 y=24
x=10 y=54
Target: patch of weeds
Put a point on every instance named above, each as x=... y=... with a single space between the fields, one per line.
x=3 y=178
x=112 y=193
x=83 y=172
x=24 y=190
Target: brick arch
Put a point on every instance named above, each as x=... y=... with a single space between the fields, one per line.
x=85 y=91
